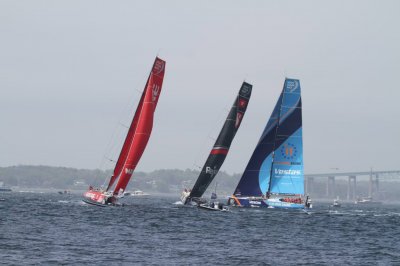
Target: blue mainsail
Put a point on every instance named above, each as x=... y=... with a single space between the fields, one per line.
x=276 y=165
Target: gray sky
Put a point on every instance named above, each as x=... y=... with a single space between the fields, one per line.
x=70 y=71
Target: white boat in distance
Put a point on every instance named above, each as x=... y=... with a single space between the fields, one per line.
x=367 y=200
x=136 y=193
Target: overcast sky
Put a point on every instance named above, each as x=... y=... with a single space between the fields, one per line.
x=71 y=73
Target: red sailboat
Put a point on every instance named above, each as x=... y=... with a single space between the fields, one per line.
x=135 y=142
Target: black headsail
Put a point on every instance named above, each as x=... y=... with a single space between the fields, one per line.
x=222 y=144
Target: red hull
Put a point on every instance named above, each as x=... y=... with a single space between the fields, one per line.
x=95 y=197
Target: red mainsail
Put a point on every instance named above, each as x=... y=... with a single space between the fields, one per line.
x=140 y=129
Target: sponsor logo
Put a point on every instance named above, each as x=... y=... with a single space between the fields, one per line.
x=158 y=67
x=94 y=196
x=156 y=91
x=289 y=151
x=128 y=171
x=245 y=89
x=287 y=172
x=254 y=202
x=292 y=85
x=239 y=117
x=242 y=103
x=211 y=171
x=288 y=163
x=90 y=195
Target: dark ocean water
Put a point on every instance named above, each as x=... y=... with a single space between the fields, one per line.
x=59 y=229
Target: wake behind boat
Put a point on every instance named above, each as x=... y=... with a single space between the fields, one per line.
x=135 y=141
x=274 y=176
x=221 y=147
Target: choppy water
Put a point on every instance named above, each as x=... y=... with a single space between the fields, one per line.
x=59 y=229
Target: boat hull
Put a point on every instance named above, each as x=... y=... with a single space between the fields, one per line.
x=248 y=202
x=91 y=202
x=97 y=198
x=211 y=208
x=368 y=203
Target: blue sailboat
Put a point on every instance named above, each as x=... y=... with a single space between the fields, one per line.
x=274 y=176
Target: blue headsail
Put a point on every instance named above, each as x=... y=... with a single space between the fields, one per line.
x=276 y=165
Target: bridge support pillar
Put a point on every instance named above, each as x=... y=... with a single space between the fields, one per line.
x=370 y=186
x=351 y=187
x=331 y=187
x=377 y=186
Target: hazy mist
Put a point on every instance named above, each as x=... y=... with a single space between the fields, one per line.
x=71 y=73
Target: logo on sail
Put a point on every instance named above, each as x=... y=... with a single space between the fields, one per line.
x=158 y=67
x=245 y=89
x=128 y=171
x=289 y=151
x=287 y=172
x=156 y=91
x=242 y=103
x=291 y=85
x=211 y=171
x=239 y=117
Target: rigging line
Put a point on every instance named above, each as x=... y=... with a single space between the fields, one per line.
x=132 y=99
x=112 y=143
x=125 y=126
x=146 y=91
x=274 y=145
x=220 y=119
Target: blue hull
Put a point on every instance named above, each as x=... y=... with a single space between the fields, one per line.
x=264 y=203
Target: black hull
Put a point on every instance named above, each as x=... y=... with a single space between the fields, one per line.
x=209 y=208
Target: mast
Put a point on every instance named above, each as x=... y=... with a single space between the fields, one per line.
x=140 y=129
x=222 y=144
x=287 y=170
x=127 y=143
x=276 y=133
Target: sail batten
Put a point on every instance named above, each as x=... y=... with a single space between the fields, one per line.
x=222 y=144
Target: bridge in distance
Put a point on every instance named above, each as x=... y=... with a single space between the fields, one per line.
x=374 y=178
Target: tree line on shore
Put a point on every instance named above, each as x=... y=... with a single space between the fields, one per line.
x=162 y=181
x=158 y=181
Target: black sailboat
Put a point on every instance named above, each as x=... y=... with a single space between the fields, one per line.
x=221 y=147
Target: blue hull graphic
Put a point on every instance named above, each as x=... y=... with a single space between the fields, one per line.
x=264 y=203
